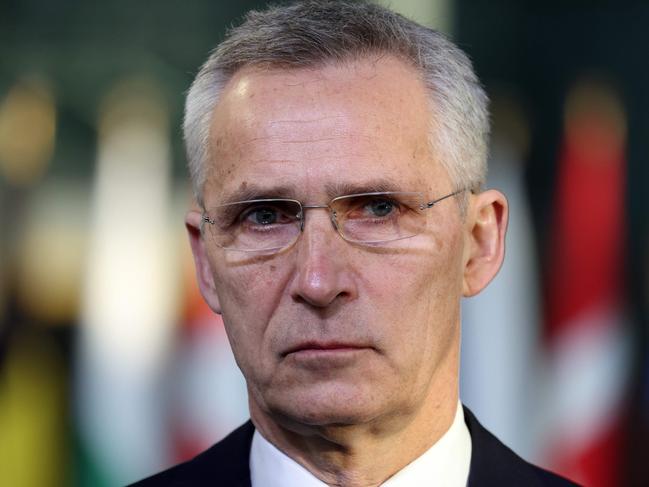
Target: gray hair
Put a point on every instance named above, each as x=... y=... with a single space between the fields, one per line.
x=313 y=32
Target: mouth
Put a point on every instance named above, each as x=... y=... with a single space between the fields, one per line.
x=324 y=348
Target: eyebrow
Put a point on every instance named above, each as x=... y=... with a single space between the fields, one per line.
x=379 y=185
x=341 y=188
x=257 y=192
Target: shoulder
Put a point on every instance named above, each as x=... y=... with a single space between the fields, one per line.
x=225 y=462
x=492 y=463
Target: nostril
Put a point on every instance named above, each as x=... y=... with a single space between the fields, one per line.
x=323 y=300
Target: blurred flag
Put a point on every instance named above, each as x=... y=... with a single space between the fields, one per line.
x=130 y=301
x=33 y=406
x=27 y=132
x=586 y=331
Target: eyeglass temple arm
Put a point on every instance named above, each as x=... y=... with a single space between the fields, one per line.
x=430 y=204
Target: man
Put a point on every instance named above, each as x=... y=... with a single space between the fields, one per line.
x=337 y=152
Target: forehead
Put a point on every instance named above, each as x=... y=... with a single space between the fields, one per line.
x=344 y=124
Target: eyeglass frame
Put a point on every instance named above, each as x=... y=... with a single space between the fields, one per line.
x=332 y=213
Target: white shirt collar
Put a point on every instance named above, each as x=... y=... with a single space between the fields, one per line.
x=446 y=463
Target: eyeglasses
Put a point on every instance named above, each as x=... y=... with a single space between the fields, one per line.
x=271 y=225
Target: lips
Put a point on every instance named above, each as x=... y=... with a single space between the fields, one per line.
x=317 y=346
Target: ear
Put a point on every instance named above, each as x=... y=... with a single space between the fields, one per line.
x=486 y=227
x=193 y=222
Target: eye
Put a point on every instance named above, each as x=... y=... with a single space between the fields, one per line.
x=371 y=208
x=380 y=207
x=262 y=215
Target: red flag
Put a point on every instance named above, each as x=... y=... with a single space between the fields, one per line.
x=586 y=334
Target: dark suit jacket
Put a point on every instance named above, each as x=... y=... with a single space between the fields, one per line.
x=226 y=464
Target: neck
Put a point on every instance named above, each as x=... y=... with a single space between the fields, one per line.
x=361 y=454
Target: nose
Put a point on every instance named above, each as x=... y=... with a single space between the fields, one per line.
x=323 y=275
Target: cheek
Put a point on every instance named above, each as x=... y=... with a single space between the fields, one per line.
x=420 y=300
x=248 y=294
x=441 y=289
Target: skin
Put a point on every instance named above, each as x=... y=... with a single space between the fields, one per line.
x=347 y=350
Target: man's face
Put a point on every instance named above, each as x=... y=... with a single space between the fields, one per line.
x=327 y=331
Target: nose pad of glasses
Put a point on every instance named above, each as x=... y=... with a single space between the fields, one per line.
x=300 y=218
x=334 y=219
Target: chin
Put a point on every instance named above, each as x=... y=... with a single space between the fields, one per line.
x=331 y=416
x=321 y=406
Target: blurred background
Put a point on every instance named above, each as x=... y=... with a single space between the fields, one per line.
x=112 y=368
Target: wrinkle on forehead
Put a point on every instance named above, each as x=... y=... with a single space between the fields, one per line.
x=317 y=119
x=304 y=140
x=301 y=131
